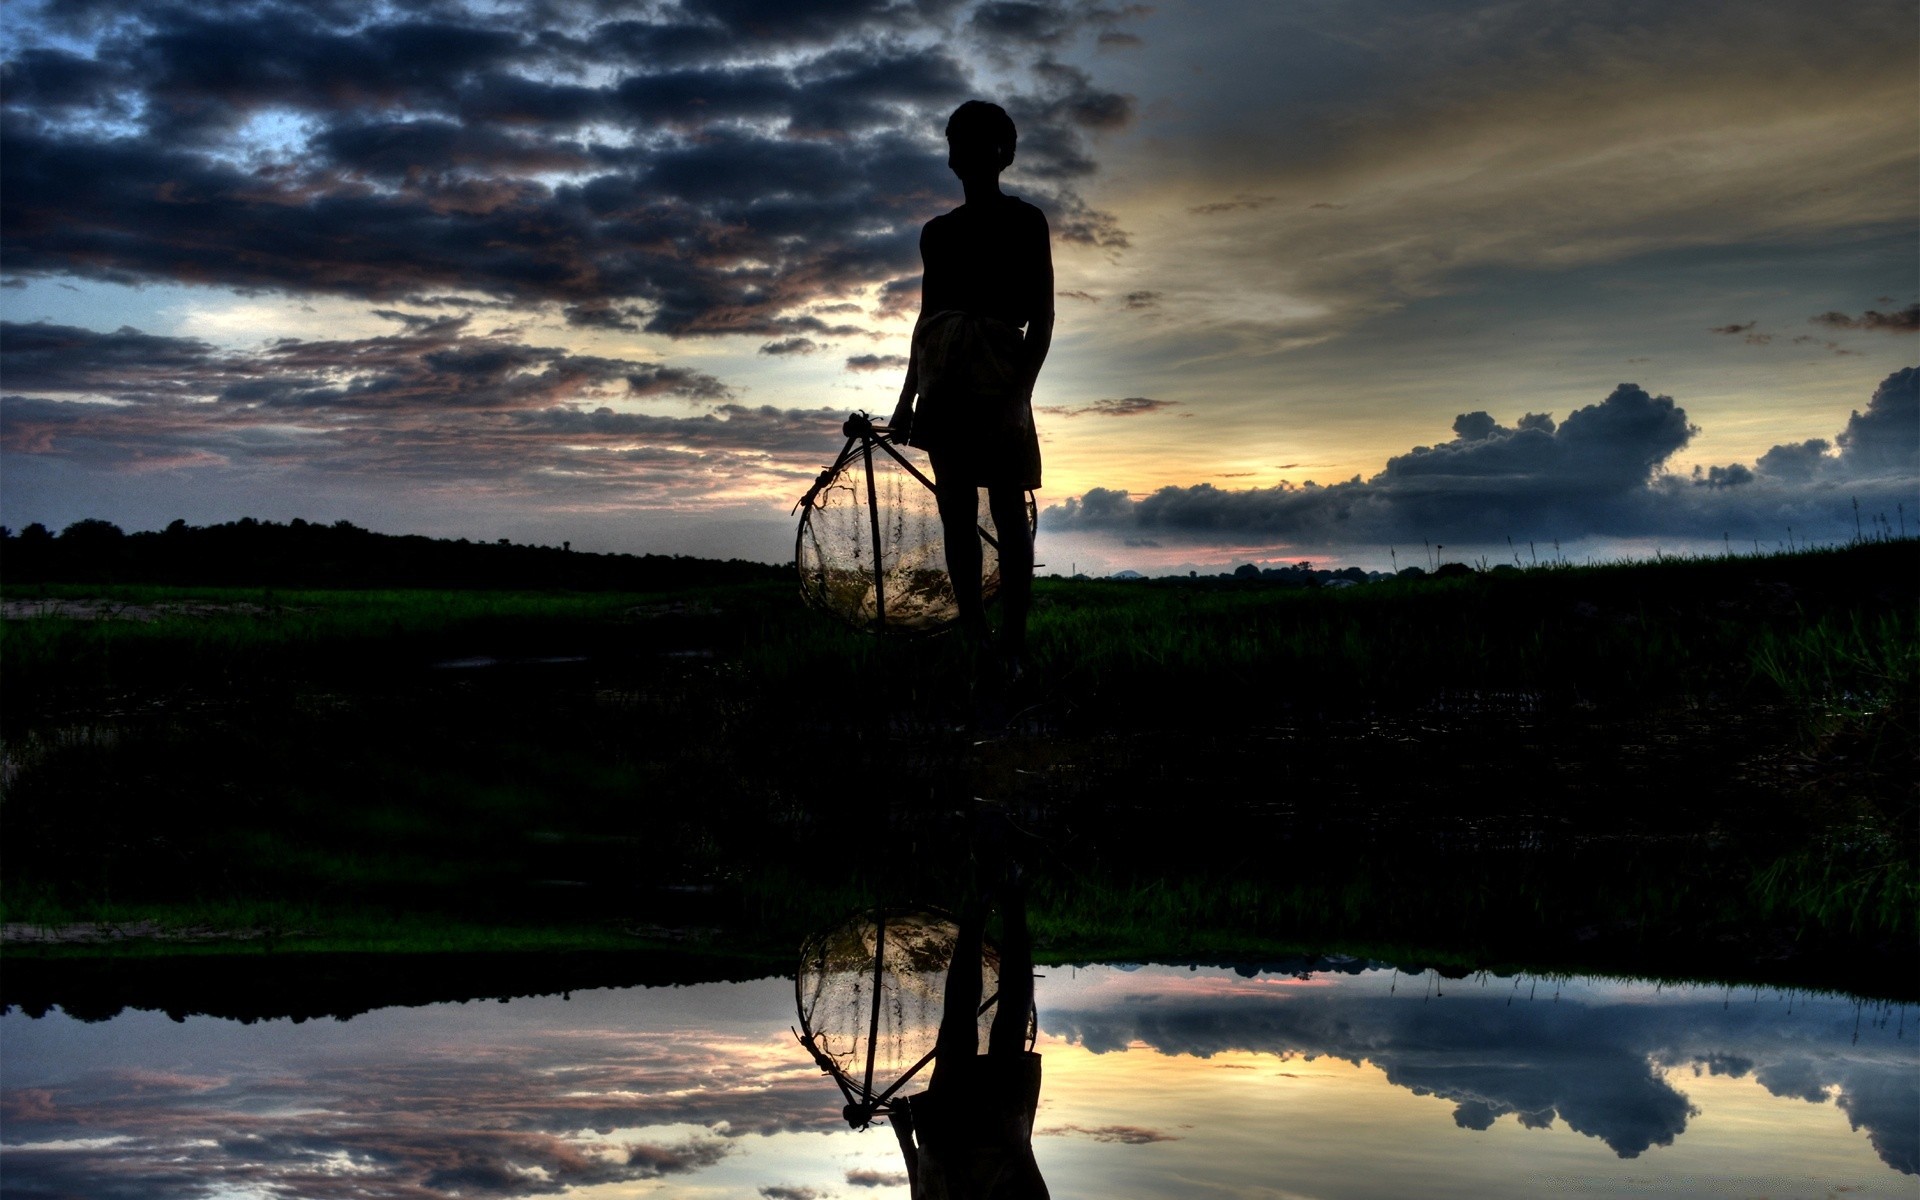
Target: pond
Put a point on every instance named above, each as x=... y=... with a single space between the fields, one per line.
x=1332 y=1078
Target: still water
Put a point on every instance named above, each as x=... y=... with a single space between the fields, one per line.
x=1159 y=1081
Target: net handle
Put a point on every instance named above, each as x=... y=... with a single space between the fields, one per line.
x=881 y=440
x=879 y=568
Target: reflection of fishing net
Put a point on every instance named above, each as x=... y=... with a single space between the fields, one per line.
x=870 y=992
x=872 y=498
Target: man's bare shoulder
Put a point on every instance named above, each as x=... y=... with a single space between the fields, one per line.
x=1026 y=216
x=941 y=225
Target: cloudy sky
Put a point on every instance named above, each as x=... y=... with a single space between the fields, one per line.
x=1332 y=277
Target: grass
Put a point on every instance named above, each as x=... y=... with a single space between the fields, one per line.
x=1678 y=627
x=1705 y=761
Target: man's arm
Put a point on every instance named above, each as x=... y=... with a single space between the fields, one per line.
x=903 y=1129
x=1039 y=304
x=902 y=419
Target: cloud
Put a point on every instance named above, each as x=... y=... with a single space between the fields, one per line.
x=877 y=362
x=1608 y=1071
x=1881 y=440
x=521 y=1116
x=710 y=169
x=865 y=1178
x=1021 y=21
x=1600 y=472
x=793 y=345
x=1130 y=406
x=898 y=297
x=1905 y=320
x=1129 y=1135
x=434 y=405
x=1486 y=151
x=1238 y=204
x=782 y=1191
x=1751 y=338
x=603 y=316
x=1143 y=299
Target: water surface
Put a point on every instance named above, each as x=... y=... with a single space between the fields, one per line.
x=1357 y=1081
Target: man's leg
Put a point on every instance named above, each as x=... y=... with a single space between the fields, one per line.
x=1009 y=508
x=959 y=1039
x=1009 y=1034
x=959 y=504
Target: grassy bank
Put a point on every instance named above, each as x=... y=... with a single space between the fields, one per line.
x=1705 y=758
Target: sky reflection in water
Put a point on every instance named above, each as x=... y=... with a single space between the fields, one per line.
x=1159 y=1081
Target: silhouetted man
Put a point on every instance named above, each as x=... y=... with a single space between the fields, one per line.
x=969 y=1136
x=987 y=276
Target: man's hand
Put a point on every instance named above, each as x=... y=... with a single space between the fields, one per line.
x=901 y=422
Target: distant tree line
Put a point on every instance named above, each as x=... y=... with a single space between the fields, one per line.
x=1300 y=575
x=250 y=553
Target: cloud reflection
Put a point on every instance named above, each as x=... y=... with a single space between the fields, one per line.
x=1604 y=1069
x=535 y=1117
x=614 y=1088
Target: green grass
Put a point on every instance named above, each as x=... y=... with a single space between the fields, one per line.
x=1675 y=628
x=296 y=766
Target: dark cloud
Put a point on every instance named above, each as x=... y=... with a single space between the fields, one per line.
x=1605 y=1070
x=1747 y=333
x=792 y=345
x=1905 y=320
x=1877 y=444
x=432 y=404
x=1833 y=348
x=603 y=316
x=1882 y=439
x=1728 y=476
x=898 y=296
x=864 y=1178
x=1130 y=1135
x=1021 y=21
x=1142 y=299
x=1239 y=203
x=877 y=362
x=1798 y=462
x=783 y=1191
x=1601 y=472
x=1130 y=406
x=713 y=171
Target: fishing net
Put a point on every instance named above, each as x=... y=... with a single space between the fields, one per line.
x=870 y=549
x=870 y=993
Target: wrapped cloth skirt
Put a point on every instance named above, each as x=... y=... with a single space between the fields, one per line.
x=975 y=415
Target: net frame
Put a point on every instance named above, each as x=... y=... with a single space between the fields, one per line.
x=864 y=437
x=864 y=1098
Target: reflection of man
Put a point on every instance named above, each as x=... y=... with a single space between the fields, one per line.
x=988 y=272
x=974 y=1123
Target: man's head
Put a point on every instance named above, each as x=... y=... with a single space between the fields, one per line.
x=980 y=139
